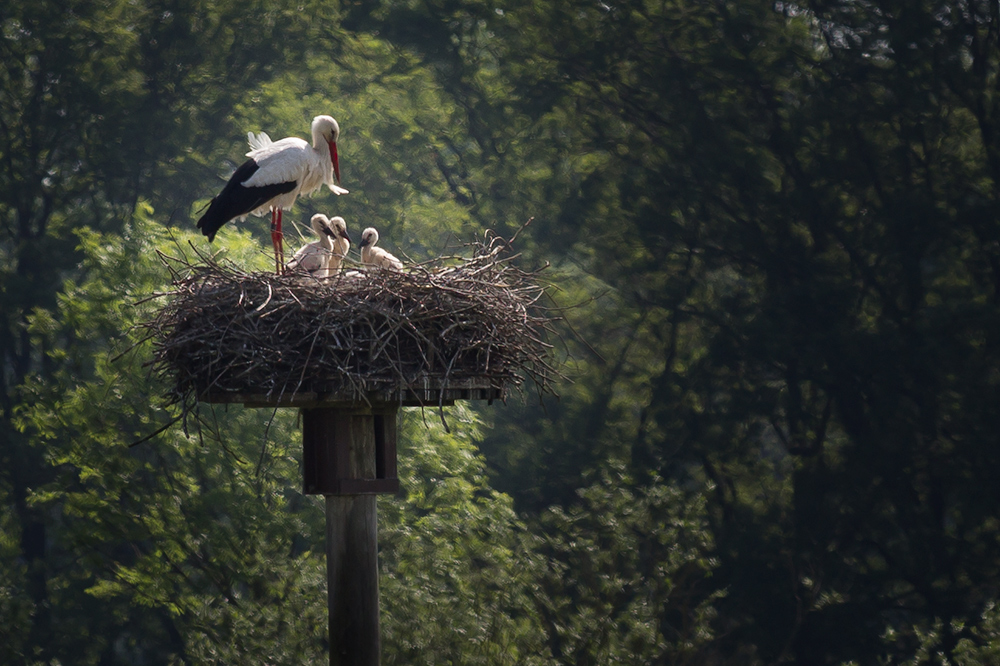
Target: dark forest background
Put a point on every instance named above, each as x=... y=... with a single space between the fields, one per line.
x=776 y=222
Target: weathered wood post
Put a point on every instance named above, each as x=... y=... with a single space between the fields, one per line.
x=349 y=456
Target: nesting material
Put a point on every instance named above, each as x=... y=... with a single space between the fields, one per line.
x=224 y=331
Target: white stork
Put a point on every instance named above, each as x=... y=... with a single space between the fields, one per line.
x=314 y=258
x=376 y=256
x=341 y=244
x=273 y=178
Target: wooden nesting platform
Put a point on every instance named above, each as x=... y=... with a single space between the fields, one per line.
x=351 y=349
x=426 y=392
x=348 y=440
x=426 y=335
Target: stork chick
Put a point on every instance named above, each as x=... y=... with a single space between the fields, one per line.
x=341 y=244
x=376 y=256
x=315 y=257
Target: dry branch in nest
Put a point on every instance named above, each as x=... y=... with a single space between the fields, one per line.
x=226 y=331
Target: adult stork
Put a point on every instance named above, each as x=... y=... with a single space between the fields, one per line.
x=315 y=258
x=273 y=178
x=376 y=256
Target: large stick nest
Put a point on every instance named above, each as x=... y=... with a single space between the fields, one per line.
x=224 y=331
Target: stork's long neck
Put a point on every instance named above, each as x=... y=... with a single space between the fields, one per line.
x=321 y=149
x=341 y=246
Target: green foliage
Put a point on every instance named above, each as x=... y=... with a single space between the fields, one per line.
x=178 y=541
x=15 y=607
x=457 y=575
x=794 y=207
x=626 y=576
x=780 y=221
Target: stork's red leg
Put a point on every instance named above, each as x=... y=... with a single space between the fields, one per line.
x=275 y=235
x=281 y=246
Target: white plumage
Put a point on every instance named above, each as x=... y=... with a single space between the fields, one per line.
x=376 y=256
x=293 y=159
x=258 y=141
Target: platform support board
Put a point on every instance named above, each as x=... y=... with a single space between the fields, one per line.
x=333 y=462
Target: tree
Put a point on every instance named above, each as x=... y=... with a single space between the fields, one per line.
x=178 y=550
x=798 y=202
x=458 y=569
x=625 y=575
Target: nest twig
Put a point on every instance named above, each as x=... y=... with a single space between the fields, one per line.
x=223 y=330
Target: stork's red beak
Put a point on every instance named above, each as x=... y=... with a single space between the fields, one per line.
x=336 y=162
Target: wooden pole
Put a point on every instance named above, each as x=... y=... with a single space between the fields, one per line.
x=352 y=545
x=349 y=455
x=352 y=579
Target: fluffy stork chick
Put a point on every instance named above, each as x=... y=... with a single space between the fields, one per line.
x=341 y=244
x=315 y=257
x=376 y=256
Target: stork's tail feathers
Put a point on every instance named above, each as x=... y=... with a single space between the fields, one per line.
x=258 y=141
x=235 y=200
